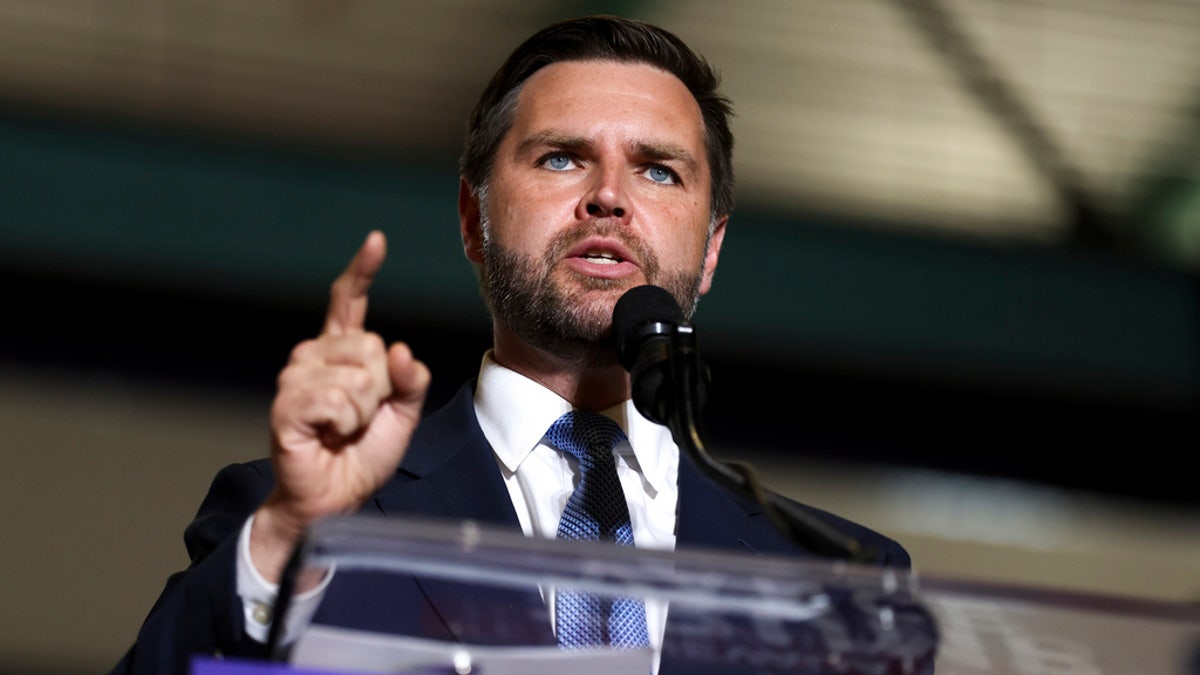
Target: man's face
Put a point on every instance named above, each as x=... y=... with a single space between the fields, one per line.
x=602 y=184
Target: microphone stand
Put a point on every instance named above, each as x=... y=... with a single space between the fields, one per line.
x=683 y=419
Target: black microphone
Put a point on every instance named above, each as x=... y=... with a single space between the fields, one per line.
x=648 y=327
x=670 y=385
x=643 y=313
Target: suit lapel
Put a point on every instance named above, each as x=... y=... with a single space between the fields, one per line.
x=450 y=473
x=712 y=517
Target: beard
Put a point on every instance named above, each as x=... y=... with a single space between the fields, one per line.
x=570 y=318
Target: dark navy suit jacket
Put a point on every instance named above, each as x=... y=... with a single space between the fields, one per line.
x=449 y=471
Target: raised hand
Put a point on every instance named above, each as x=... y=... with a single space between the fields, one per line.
x=343 y=415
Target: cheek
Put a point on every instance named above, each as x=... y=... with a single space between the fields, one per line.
x=683 y=237
x=526 y=223
x=506 y=209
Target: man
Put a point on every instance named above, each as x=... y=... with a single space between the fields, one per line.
x=598 y=159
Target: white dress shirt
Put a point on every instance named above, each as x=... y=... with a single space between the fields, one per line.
x=540 y=480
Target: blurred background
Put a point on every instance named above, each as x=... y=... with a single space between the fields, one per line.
x=958 y=299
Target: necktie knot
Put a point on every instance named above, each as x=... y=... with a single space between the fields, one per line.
x=596 y=510
x=587 y=436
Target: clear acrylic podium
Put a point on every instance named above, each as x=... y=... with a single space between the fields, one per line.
x=726 y=613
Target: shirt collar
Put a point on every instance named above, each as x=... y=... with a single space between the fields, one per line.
x=514 y=431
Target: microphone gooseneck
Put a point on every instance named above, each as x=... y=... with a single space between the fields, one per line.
x=670 y=386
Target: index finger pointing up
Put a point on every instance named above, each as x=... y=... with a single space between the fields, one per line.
x=348 y=295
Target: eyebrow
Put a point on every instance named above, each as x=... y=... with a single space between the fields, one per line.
x=661 y=152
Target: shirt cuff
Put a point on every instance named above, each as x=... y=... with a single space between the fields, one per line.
x=258 y=596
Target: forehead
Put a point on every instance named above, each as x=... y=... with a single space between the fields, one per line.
x=594 y=96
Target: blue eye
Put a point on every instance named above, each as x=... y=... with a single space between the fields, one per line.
x=558 y=162
x=660 y=174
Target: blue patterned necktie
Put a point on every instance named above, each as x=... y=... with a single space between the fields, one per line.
x=596 y=511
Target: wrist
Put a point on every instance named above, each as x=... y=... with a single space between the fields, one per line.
x=274 y=535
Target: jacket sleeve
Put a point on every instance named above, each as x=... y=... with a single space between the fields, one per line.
x=199 y=611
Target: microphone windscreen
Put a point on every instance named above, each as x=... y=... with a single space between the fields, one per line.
x=637 y=307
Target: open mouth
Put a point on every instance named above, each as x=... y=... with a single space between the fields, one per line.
x=601 y=257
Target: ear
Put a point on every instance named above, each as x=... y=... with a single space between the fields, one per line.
x=714 y=252
x=469 y=222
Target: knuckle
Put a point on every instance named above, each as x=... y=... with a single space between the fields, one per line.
x=359 y=380
x=330 y=398
x=302 y=351
x=374 y=345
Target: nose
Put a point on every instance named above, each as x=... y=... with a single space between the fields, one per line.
x=606 y=197
x=596 y=210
